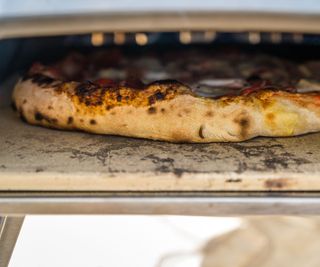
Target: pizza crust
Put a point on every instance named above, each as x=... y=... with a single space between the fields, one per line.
x=165 y=110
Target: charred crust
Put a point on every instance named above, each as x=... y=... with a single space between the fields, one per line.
x=70 y=120
x=159 y=96
x=90 y=94
x=109 y=107
x=38 y=116
x=201 y=132
x=93 y=122
x=163 y=110
x=151 y=100
x=38 y=78
x=50 y=107
x=152 y=110
x=119 y=98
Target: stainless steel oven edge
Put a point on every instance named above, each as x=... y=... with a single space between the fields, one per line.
x=197 y=203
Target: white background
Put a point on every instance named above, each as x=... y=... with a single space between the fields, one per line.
x=115 y=241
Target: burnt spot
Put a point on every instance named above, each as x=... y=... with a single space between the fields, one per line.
x=163 y=110
x=209 y=113
x=234 y=181
x=93 y=122
x=119 y=98
x=201 y=132
x=24 y=101
x=81 y=120
x=13 y=105
x=275 y=183
x=38 y=116
x=159 y=96
x=39 y=169
x=70 y=120
x=50 y=107
x=151 y=100
x=109 y=107
x=90 y=94
x=39 y=79
x=152 y=110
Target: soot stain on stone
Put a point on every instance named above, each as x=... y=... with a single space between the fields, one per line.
x=275 y=183
x=266 y=157
x=39 y=169
x=238 y=180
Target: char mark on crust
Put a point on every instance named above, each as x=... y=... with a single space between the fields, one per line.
x=70 y=120
x=201 y=132
x=90 y=94
x=39 y=78
x=39 y=117
x=93 y=122
x=244 y=125
x=152 y=110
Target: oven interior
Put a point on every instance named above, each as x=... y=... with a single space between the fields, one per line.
x=35 y=158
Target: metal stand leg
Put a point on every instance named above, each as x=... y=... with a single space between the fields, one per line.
x=9 y=232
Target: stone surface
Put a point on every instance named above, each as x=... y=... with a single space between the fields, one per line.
x=36 y=158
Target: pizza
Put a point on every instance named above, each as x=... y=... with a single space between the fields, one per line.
x=188 y=95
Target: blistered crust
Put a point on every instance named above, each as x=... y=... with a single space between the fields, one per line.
x=164 y=110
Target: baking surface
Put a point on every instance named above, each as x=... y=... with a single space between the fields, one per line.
x=35 y=158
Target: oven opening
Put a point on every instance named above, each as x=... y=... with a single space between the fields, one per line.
x=213 y=64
